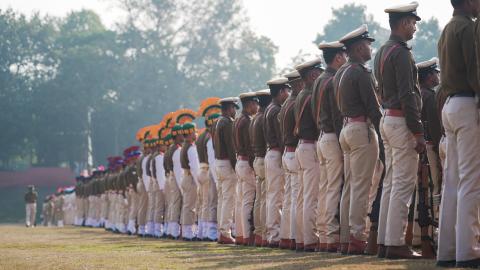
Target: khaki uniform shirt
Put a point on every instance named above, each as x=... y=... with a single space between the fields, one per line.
x=327 y=115
x=433 y=130
x=271 y=127
x=287 y=122
x=31 y=197
x=398 y=82
x=257 y=136
x=304 y=118
x=355 y=92
x=223 y=139
x=201 y=143
x=241 y=137
x=168 y=159
x=131 y=177
x=456 y=50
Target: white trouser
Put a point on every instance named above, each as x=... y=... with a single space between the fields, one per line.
x=275 y=181
x=459 y=211
x=246 y=177
x=401 y=161
x=333 y=156
x=310 y=166
x=227 y=181
x=291 y=168
x=31 y=212
x=359 y=143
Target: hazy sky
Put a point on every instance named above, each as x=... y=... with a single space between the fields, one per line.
x=291 y=24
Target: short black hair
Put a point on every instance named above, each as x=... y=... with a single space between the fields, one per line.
x=394 y=20
x=457 y=3
x=276 y=89
x=329 y=55
x=264 y=100
x=226 y=105
x=423 y=75
x=304 y=72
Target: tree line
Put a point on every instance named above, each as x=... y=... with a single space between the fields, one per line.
x=71 y=88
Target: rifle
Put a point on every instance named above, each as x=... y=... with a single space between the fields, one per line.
x=410 y=220
x=372 y=247
x=425 y=210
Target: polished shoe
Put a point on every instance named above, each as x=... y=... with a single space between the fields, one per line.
x=344 y=248
x=475 y=263
x=299 y=247
x=322 y=247
x=372 y=246
x=258 y=240
x=382 y=250
x=310 y=248
x=251 y=240
x=238 y=240
x=333 y=247
x=293 y=244
x=273 y=244
x=356 y=247
x=226 y=240
x=401 y=252
x=284 y=244
x=446 y=264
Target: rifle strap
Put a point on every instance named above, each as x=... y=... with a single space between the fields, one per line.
x=300 y=113
x=382 y=65
x=320 y=98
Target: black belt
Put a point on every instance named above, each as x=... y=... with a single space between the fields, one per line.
x=463 y=94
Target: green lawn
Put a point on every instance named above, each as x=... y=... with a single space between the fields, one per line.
x=82 y=248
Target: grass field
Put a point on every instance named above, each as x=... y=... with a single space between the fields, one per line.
x=83 y=248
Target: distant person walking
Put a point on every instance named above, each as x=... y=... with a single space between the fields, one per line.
x=30 y=206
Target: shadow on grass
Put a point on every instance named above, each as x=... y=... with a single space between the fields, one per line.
x=230 y=256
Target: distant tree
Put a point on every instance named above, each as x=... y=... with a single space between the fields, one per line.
x=348 y=17
x=299 y=58
x=26 y=60
x=426 y=38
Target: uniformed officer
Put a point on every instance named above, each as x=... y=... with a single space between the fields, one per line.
x=329 y=124
x=244 y=169
x=58 y=208
x=121 y=201
x=428 y=77
x=401 y=129
x=130 y=155
x=259 y=147
x=159 y=175
x=46 y=211
x=274 y=175
x=142 y=186
x=173 y=171
x=306 y=130
x=356 y=100
x=225 y=161
x=209 y=109
x=79 y=210
x=292 y=208
x=152 y=182
x=30 y=206
x=191 y=167
x=459 y=226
